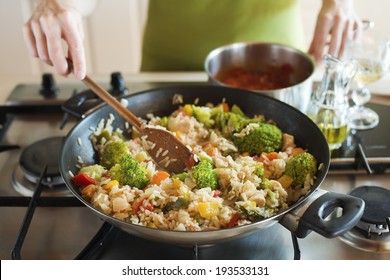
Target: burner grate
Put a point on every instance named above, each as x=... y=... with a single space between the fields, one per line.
x=372 y=233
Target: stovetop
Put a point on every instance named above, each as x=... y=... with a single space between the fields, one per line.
x=66 y=232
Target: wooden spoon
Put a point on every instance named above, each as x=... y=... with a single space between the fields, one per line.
x=164 y=148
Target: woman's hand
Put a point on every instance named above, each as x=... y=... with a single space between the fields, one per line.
x=52 y=22
x=335 y=23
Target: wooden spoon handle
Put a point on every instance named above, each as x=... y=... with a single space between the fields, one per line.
x=110 y=100
x=113 y=102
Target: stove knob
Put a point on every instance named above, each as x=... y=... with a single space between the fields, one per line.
x=48 y=86
x=118 y=86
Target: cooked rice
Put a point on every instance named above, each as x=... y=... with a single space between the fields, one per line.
x=237 y=181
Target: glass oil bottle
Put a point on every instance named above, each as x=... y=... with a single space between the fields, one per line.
x=329 y=105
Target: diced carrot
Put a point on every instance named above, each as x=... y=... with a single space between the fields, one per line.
x=266 y=156
x=136 y=205
x=272 y=155
x=145 y=205
x=149 y=207
x=211 y=151
x=158 y=177
x=261 y=158
x=297 y=151
x=225 y=107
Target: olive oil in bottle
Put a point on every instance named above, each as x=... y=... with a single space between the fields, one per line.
x=329 y=105
x=334 y=135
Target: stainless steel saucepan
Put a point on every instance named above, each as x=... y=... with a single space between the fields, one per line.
x=291 y=70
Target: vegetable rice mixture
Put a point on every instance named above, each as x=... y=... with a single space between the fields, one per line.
x=245 y=170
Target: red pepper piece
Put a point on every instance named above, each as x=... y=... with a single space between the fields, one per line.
x=233 y=220
x=217 y=193
x=83 y=180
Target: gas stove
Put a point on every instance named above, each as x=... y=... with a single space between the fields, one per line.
x=41 y=219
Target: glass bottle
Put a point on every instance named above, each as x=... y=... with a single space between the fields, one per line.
x=329 y=105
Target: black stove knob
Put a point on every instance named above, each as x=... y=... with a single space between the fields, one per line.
x=118 y=85
x=48 y=86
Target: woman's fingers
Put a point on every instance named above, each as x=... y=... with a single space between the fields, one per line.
x=73 y=34
x=335 y=23
x=53 y=34
x=51 y=25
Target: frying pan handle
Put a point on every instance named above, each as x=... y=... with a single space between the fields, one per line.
x=315 y=216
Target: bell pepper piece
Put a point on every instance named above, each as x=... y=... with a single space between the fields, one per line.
x=83 y=180
x=285 y=181
x=217 y=193
x=233 y=220
x=208 y=209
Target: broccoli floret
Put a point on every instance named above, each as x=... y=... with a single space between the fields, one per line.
x=237 y=110
x=256 y=213
x=180 y=176
x=204 y=156
x=94 y=171
x=163 y=121
x=265 y=184
x=300 y=166
x=231 y=122
x=259 y=170
x=180 y=202
x=206 y=114
x=112 y=152
x=105 y=134
x=128 y=171
x=272 y=198
x=228 y=123
x=257 y=138
x=204 y=175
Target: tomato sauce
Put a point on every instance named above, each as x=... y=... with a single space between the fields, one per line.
x=273 y=77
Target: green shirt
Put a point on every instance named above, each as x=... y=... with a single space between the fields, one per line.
x=180 y=33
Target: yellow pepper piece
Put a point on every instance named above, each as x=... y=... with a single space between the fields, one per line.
x=208 y=209
x=285 y=181
x=140 y=157
x=111 y=184
x=177 y=183
x=188 y=109
x=178 y=134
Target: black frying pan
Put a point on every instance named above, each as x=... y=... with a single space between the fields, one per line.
x=307 y=214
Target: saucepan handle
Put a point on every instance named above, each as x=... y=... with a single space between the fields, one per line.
x=318 y=215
